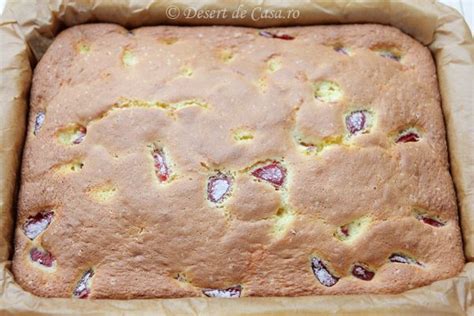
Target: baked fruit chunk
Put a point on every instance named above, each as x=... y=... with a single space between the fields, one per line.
x=225 y=162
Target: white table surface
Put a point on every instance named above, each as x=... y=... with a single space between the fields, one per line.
x=465 y=7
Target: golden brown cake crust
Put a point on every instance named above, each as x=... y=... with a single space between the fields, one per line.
x=224 y=102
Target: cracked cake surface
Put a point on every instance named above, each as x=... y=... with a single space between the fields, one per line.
x=227 y=162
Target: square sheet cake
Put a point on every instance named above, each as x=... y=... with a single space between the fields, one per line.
x=227 y=161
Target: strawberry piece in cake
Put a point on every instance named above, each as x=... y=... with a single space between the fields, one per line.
x=357 y=122
x=274 y=35
x=407 y=137
x=43 y=257
x=39 y=120
x=218 y=187
x=430 y=221
x=400 y=258
x=35 y=225
x=230 y=292
x=83 y=287
x=161 y=166
x=274 y=173
x=362 y=273
x=322 y=273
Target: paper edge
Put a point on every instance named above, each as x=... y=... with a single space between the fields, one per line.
x=464 y=302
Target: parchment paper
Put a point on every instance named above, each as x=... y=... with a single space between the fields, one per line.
x=28 y=27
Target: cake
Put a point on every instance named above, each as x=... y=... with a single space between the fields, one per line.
x=228 y=162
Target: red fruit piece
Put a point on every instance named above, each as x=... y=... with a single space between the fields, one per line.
x=79 y=135
x=430 y=221
x=273 y=35
x=231 y=292
x=407 y=137
x=389 y=55
x=399 y=258
x=345 y=230
x=356 y=122
x=309 y=147
x=162 y=169
x=39 y=120
x=218 y=187
x=83 y=287
x=35 y=225
x=42 y=257
x=322 y=273
x=341 y=50
x=362 y=273
x=274 y=173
